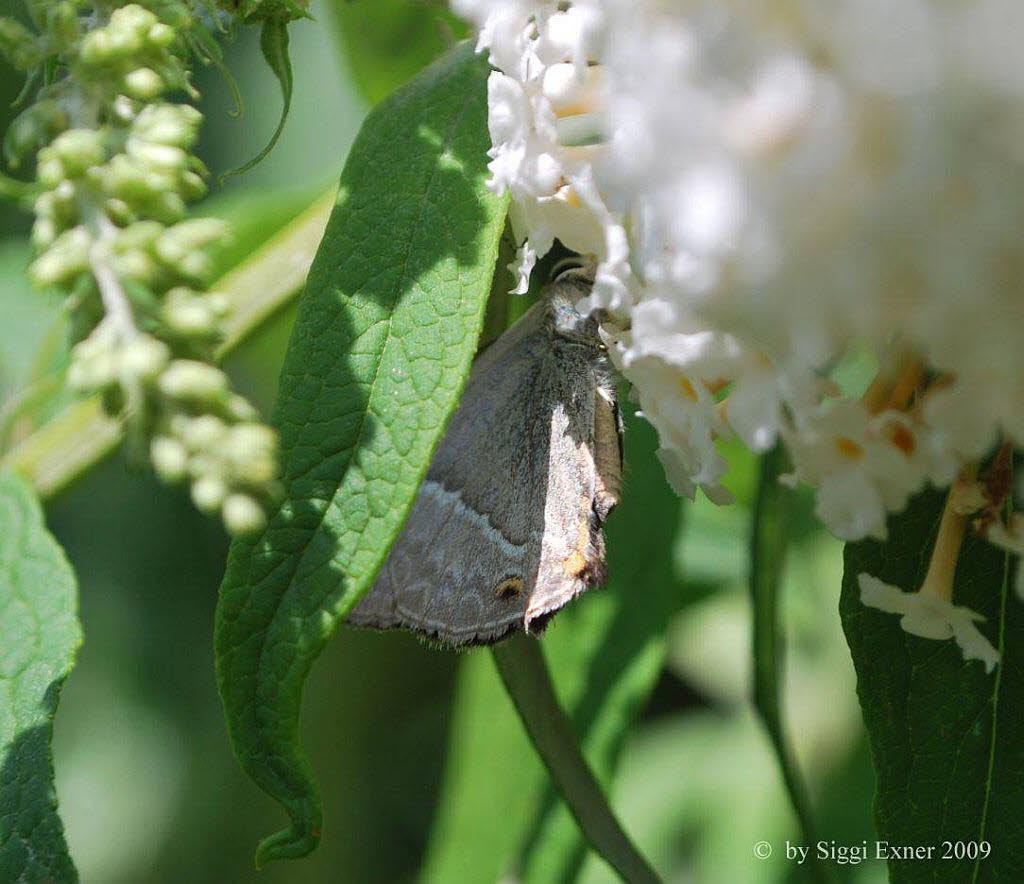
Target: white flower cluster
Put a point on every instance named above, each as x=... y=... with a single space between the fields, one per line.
x=768 y=189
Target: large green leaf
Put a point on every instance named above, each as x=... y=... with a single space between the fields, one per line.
x=947 y=738
x=39 y=635
x=605 y=652
x=383 y=343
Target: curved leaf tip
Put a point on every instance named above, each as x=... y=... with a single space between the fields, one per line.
x=274 y=46
x=298 y=840
x=383 y=342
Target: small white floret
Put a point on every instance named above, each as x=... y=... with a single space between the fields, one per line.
x=928 y=616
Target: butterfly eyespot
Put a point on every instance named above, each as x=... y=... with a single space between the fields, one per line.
x=508 y=588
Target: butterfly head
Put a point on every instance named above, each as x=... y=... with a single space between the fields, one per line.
x=571 y=281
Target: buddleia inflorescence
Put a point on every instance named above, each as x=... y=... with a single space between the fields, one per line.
x=112 y=139
x=770 y=190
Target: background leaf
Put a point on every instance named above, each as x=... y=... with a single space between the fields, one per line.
x=386 y=42
x=527 y=679
x=769 y=541
x=947 y=738
x=382 y=345
x=39 y=636
x=605 y=652
x=274 y=46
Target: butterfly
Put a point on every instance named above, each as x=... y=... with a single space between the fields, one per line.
x=507 y=526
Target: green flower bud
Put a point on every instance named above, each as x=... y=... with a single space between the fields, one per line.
x=255 y=471
x=55 y=211
x=20 y=46
x=208 y=493
x=144 y=84
x=186 y=314
x=45 y=205
x=179 y=246
x=251 y=438
x=239 y=409
x=78 y=149
x=219 y=304
x=140 y=235
x=63 y=260
x=96 y=344
x=169 y=457
x=200 y=465
x=193 y=234
x=132 y=24
x=195 y=265
x=98 y=48
x=49 y=169
x=33 y=128
x=203 y=433
x=88 y=372
x=167 y=206
x=175 y=125
x=249 y=450
x=190 y=381
x=44 y=232
x=119 y=212
x=129 y=181
x=156 y=156
x=243 y=515
x=192 y=186
x=144 y=358
x=125 y=109
x=161 y=36
x=137 y=265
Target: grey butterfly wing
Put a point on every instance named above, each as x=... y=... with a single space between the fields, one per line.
x=503 y=531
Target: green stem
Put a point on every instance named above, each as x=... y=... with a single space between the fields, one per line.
x=523 y=669
x=80 y=436
x=769 y=540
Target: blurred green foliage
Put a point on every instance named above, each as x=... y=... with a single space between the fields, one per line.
x=385 y=42
x=427 y=766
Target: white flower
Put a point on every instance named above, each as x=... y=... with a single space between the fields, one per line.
x=929 y=616
x=1010 y=538
x=764 y=189
x=863 y=466
x=674 y=370
x=686 y=424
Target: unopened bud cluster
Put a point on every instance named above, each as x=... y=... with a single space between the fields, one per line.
x=115 y=172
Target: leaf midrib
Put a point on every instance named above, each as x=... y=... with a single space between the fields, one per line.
x=996 y=688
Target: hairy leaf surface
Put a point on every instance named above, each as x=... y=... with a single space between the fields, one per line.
x=947 y=738
x=39 y=636
x=383 y=342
